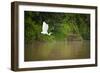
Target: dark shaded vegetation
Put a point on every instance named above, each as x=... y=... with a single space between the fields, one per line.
x=64 y=26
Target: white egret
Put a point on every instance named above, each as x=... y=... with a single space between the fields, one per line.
x=45 y=28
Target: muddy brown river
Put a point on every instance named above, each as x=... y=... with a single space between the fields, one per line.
x=57 y=50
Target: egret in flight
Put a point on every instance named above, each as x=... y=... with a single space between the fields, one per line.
x=45 y=28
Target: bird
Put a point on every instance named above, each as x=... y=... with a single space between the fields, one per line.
x=45 y=28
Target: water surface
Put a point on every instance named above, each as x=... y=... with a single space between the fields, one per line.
x=57 y=50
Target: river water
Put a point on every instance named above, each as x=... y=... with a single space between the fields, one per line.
x=57 y=50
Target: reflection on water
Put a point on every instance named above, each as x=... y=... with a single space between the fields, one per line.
x=57 y=50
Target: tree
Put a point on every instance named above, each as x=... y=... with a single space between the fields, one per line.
x=60 y=24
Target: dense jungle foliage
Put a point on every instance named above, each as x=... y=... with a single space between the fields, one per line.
x=64 y=26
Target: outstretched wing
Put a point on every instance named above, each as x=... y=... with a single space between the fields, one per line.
x=45 y=28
